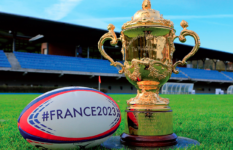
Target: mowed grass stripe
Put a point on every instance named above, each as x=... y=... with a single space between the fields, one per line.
x=206 y=118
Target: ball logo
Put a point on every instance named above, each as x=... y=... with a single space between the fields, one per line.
x=33 y=119
x=87 y=111
x=70 y=115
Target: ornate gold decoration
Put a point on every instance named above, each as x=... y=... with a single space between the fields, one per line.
x=146 y=5
x=147 y=17
x=182 y=38
x=147 y=51
x=155 y=73
x=147 y=98
x=148 y=62
x=148 y=85
x=136 y=74
x=110 y=36
x=122 y=37
x=184 y=24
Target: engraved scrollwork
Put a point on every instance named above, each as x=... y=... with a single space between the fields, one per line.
x=114 y=40
x=182 y=38
x=147 y=16
x=136 y=73
x=171 y=38
x=122 y=37
x=155 y=73
x=148 y=62
x=148 y=98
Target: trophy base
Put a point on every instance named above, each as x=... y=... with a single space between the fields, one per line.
x=149 y=141
x=148 y=120
x=149 y=126
x=114 y=142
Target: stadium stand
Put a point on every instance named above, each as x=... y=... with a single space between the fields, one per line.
x=3 y=60
x=30 y=64
x=33 y=69
x=203 y=74
x=66 y=63
x=55 y=62
x=229 y=74
x=179 y=75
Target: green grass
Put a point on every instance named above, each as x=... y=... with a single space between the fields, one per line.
x=205 y=118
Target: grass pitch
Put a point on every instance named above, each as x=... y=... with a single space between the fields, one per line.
x=205 y=118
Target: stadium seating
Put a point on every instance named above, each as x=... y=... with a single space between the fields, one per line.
x=179 y=75
x=66 y=63
x=3 y=60
x=229 y=74
x=203 y=74
x=54 y=62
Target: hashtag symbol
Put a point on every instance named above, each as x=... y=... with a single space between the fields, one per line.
x=45 y=116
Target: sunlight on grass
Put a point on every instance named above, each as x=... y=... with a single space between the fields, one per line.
x=205 y=118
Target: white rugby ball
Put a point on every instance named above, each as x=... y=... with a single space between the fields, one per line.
x=72 y=117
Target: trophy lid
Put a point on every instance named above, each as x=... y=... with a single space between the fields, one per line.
x=147 y=17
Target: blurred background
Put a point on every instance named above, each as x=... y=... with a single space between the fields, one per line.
x=50 y=44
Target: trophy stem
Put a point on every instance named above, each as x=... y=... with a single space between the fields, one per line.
x=148 y=94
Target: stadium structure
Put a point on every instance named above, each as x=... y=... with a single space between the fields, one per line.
x=38 y=52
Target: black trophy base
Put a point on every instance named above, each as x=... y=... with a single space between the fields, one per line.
x=114 y=142
x=149 y=141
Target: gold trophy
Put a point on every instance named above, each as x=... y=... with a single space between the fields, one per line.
x=147 y=49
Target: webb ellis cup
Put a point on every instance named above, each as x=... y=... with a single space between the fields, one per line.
x=147 y=49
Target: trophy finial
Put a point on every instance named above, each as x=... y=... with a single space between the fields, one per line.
x=184 y=24
x=146 y=4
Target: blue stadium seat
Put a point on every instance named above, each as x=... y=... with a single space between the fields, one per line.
x=54 y=62
x=3 y=60
x=229 y=74
x=179 y=75
x=203 y=74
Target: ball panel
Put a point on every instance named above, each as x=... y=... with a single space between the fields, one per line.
x=79 y=106
x=43 y=99
x=77 y=145
x=47 y=140
x=72 y=108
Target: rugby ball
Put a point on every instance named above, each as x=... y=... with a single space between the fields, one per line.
x=71 y=117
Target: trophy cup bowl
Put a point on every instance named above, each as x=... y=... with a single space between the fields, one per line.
x=147 y=49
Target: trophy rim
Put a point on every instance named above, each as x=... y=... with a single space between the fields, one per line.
x=148 y=16
x=152 y=26
x=137 y=30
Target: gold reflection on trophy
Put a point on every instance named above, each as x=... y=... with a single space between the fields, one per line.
x=147 y=49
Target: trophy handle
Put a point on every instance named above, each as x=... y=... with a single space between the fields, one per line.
x=182 y=39
x=114 y=40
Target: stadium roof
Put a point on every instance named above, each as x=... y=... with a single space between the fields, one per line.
x=72 y=33
x=52 y=31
